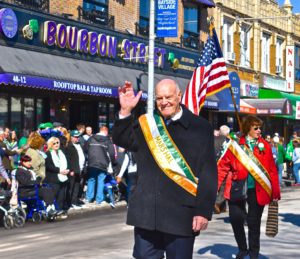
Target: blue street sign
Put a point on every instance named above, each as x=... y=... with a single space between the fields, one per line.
x=224 y=96
x=166 y=18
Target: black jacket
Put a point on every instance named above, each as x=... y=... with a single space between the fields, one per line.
x=158 y=203
x=97 y=147
x=72 y=158
x=25 y=188
x=51 y=170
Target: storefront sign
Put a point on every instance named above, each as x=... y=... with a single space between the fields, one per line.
x=249 y=89
x=93 y=43
x=8 y=22
x=274 y=83
x=166 y=18
x=50 y=84
x=290 y=68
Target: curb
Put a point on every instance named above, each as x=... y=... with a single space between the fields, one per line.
x=93 y=207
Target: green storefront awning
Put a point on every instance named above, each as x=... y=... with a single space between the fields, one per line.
x=274 y=94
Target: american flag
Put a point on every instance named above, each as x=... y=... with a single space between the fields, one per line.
x=209 y=77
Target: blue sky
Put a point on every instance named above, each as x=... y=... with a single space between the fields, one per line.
x=295 y=4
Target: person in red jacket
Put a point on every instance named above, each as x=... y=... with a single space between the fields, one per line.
x=249 y=164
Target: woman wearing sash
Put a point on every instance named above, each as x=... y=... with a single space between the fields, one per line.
x=252 y=179
x=176 y=168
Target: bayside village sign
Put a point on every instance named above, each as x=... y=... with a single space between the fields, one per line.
x=93 y=43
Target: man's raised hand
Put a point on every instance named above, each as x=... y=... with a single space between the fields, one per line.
x=127 y=98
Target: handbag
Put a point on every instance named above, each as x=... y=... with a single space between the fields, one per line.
x=272 y=219
x=238 y=191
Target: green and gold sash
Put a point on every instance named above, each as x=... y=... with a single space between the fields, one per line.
x=252 y=164
x=166 y=153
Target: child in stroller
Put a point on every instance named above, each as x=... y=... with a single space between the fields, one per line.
x=13 y=216
x=39 y=198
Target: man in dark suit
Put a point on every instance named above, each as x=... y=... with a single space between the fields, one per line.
x=177 y=174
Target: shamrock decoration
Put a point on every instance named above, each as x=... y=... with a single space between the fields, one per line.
x=261 y=146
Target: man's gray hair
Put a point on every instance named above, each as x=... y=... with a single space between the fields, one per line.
x=224 y=130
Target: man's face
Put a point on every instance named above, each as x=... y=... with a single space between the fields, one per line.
x=6 y=133
x=167 y=98
x=88 y=131
x=75 y=140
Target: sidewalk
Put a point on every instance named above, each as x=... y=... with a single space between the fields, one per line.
x=93 y=206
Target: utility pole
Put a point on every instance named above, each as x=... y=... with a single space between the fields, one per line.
x=150 y=100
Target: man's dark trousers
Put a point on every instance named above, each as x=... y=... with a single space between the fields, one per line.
x=152 y=245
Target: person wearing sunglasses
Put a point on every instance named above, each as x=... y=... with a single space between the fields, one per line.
x=57 y=171
x=251 y=177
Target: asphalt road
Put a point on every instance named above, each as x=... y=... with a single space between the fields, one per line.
x=102 y=233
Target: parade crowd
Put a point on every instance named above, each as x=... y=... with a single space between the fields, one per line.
x=55 y=152
x=70 y=168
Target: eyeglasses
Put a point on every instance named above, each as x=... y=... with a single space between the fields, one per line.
x=257 y=128
x=55 y=143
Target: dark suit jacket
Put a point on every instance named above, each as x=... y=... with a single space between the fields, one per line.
x=72 y=158
x=158 y=203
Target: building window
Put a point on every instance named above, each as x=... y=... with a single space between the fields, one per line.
x=144 y=13
x=3 y=111
x=16 y=113
x=297 y=63
x=96 y=11
x=21 y=113
x=279 y=54
x=227 y=40
x=245 y=46
x=39 y=111
x=265 y=53
x=28 y=113
x=191 y=27
x=99 y=5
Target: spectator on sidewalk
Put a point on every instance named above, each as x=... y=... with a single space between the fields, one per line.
x=57 y=171
x=76 y=161
x=220 y=147
x=98 y=147
x=296 y=161
x=129 y=166
x=35 y=144
x=280 y=154
x=88 y=133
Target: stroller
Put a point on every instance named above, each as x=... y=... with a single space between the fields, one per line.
x=13 y=216
x=112 y=188
x=36 y=207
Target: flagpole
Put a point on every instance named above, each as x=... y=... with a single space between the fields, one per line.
x=235 y=108
x=211 y=25
x=150 y=103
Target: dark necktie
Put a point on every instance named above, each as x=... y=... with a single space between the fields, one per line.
x=168 y=121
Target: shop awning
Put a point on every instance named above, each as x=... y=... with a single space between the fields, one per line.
x=246 y=107
x=26 y=68
x=270 y=106
x=273 y=94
